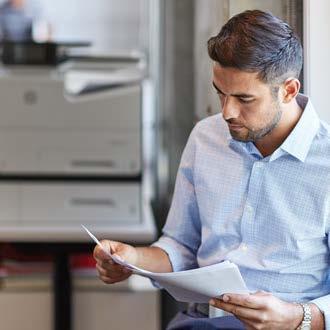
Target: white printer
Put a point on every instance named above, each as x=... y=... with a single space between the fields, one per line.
x=71 y=152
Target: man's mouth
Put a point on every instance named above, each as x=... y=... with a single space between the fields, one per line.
x=235 y=127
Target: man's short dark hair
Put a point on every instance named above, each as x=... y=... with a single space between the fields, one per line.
x=256 y=41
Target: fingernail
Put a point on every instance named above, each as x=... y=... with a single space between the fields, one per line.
x=225 y=298
x=212 y=302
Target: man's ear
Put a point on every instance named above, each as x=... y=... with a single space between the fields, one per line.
x=289 y=89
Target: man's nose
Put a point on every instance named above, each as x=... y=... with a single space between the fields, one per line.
x=230 y=109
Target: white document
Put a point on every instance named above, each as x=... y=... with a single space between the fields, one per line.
x=76 y=81
x=196 y=285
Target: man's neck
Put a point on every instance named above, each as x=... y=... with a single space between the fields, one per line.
x=290 y=117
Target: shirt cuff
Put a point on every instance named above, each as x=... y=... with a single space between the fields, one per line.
x=323 y=303
x=181 y=257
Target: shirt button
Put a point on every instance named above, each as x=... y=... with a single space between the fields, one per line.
x=244 y=247
x=258 y=164
x=249 y=208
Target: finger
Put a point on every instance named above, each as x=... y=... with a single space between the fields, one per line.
x=107 y=246
x=112 y=270
x=107 y=272
x=106 y=249
x=112 y=278
x=246 y=300
x=117 y=249
x=101 y=271
x=111 y=247
x=109 y=280
x=100 y=254
x=237 y=310
x=110 y=265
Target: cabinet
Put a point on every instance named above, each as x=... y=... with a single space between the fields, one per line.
x=134 y=304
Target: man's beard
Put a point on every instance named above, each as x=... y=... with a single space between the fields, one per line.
x=254 y=135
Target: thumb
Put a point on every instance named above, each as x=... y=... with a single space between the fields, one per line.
x=102 y=252
x=108 y=247
x=125 y=252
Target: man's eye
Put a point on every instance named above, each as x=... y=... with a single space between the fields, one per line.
x=246 y=100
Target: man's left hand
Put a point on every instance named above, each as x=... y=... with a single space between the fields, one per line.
x=261 y=310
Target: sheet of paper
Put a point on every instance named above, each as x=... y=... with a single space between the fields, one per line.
x=135 y=269
x=202 y=284
x=194 y=285
x=77 y=81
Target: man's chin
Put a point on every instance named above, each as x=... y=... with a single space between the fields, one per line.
x=238 y=137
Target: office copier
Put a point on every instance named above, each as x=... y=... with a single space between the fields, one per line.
x=71 y=149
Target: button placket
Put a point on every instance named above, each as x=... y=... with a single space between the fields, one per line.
x=248 y=219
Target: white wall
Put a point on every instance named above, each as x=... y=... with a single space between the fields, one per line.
x=237 y=6
x=109 y=24
x=210 y=15
x=317 y=54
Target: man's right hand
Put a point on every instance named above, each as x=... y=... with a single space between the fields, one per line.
x=109 y=271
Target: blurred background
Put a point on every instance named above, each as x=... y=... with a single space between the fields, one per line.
x=97 y=102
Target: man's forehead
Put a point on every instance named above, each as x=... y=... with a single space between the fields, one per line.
x=236 y=92
x=236 y=81
x=219 y=70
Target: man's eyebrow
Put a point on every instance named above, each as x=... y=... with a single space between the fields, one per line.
x=216 y=88
x=244 y=95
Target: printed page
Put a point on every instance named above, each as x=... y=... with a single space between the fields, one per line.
x=194 y=285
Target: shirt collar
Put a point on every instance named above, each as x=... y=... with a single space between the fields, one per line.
x=300 y=139
x=247 y=147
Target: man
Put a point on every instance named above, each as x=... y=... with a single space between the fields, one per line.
x=253 y=187
x=15 y=22
x=22 y=21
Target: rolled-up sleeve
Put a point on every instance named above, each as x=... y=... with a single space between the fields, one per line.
x=181 y=233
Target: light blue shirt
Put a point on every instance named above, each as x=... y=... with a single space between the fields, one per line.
x=269 y=215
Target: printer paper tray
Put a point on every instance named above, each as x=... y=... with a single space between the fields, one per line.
x=62 y=204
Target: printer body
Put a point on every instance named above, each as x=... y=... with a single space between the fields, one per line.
x=72 y=156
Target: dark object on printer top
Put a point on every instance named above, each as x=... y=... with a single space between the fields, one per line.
x=33 y=53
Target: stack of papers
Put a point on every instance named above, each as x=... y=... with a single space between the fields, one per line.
x=196 y=285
